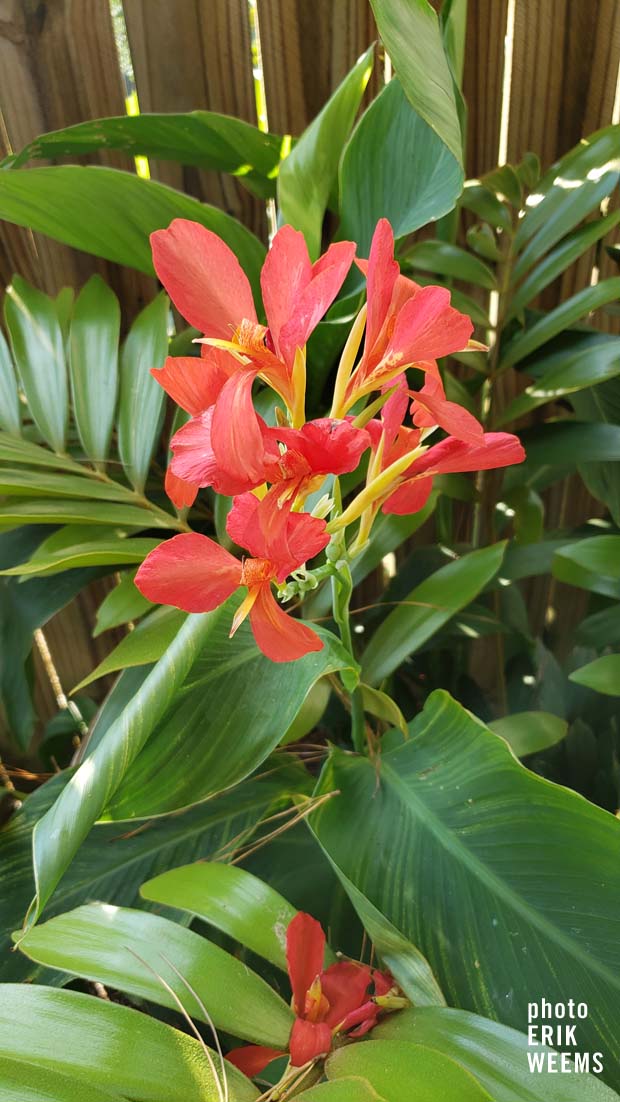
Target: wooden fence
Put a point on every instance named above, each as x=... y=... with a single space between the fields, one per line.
x=59 y=65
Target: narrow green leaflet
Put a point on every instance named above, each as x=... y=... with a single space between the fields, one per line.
x=230 y=899
x=15 y=450
x=427 y=608
x=592 y=564
x=93 y=363
x=122 y=948
x=423 y=834
x=530 y=732
x=38 y=348
x=98 y=553
x=307 y=175
x=555 y=447
x=400 y=1071
x=141 y=405
x=601 y=403
x=563 y=316
x=120 y=605
x=485 y=204
x=66 y=511
x=23 y=482
x=202 y=138
x=450 y=260
x=589 y=359
x=495 y=1054
x=146 y=644
x=10 y=419
x=602 y=675
x=410 y=31
x=394 y=166
x=111 y=213
x=108 y=1047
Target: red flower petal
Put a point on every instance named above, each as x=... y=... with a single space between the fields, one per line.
x=286 y=272
x=194 y=382
x=181 y=493
x=345 y=986
x=252 y=1059
x=409 y=498
x=381 y=275
x=309 y=1040
x=431 y=407
x=236 y=433
x=269 y=532
x=328 y=275
x=278 y=635
x=305 y=950
x=496 y=449
x=189 y=571
x=329 y=446
x=195 y=461
x=427 y=327
x=203 y=278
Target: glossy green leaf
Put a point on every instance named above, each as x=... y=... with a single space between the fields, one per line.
x=67 y=511
x=348 y=1089
x=383 y=707
x=22 y=482
x=29 y=1083
x=601 y=403
x=230 y=899
x=111 y=213
x=482 y=240
x=394 y=166
x=504 y=182
x=400 y=1071
x=600 y=554
x=410 y=31
x=116 y=945
x=109 y=1047
x=38 y=349
x=572 y=188
x=590 y=359
x=10 y=419
x=423 y=834
x=141 y=405
x=307 y=175
x=202 y=138
x=570 y=249
x=120 y=605
x=494 y=1053
x=147 y=643
x=485 y=205
x=450 y=260
x=554 y=445
x=98 y=553
x=427 y=608
x=562 y=317
x=93 y=363
x=530 y=732
x=601 y=629
x=15 y=450
x=602 y=675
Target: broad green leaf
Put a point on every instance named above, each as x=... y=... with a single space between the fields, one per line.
x=108 y=1046
x=147 y=643
x=601 y=629
x=410 y=31
x=400 y=1071
x=10 y=419
x=570 y=249
x=485 y=205
x=450 y=260
x=562 y=317
x=572 y=188
x=427 y=608
x=602 y=675
x=495 y=1054
x=116 y=945
x=349 y=1089
x=556 y=447
x=600 y=554
x=38 y=349
x=120 y=605
x=141 y=405
x=29 y=1083
x=423 y=834
x=93 y=363
x=394 y=166
x=601 y=403
x=588 y=360
x=102 y=553
x=202 y=138
x=230 y=899
x=529 y=732
x=307 y=175
x=22 y=482
x=111 y=213
x=66 y=511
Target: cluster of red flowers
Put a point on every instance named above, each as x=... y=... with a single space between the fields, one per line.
x=270 y=471
x=344 y=999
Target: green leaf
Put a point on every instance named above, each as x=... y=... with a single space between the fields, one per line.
x=111 y=213
x=66 y=511
x=556 y=447
x=570 y=249
x=30 y=1083
x=427 y=608
x=572 y=188
x=383 y=707
x=309 y=172
x=343 y=1090
x=394 y=166
x=147 y=643
x=602 y=675
x=38 y=348
x=485 y=205
x=120 y=605
x=141 y=405
x=601 y=403
x=591 y=564
x=232 y=900
x=450 y=260
x=202 y=138
x=423 y=834
x=495 y=1054
x=410 y=31
x=601 y=629
x=15 y=450
x=109 y=1047
x=100 y=553
x=116 y=946
x=530 y=732
x=25 y=483
x=400 y=1071
x=93 y=362
x=565 y=315
x=588 y=360
x=10 y=419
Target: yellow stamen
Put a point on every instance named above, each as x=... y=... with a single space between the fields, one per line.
x=347 y=360
x=244 y=608
x=379 y=487
x=298 y=381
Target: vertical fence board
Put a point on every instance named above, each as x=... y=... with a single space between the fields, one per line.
x=483 y=74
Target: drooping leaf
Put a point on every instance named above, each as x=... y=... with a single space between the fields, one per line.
x=400 y=1071
x=588 y=360
x=23 y=482
x=38 y=349
x=562 y=317
x=10 y=420
x=120 y=605
x=65 y=511
x=450 y=260
x=146 y=644
x=93 y=363
x=529 y=732
x=98 y=553
x=141 y=403
x=602 y=675
x=601 y=403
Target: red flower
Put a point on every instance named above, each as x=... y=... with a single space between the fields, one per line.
x=325 y=1002
x=194 y=573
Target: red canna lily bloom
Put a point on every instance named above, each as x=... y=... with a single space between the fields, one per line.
x=192 y=572
x=326 y=1002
